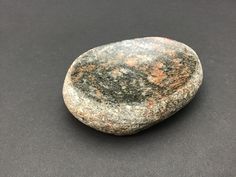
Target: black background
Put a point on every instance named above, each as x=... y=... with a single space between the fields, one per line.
x=40 y=138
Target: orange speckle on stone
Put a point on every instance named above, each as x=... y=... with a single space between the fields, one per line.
x=131 y=62
x=159 y=65
x=171 y=53
x=98 y=94
x=120 y=56
x=176 y=84
x=88 y=68
x=77 y=77
x=157 y=75
x=176 y=62
x=116 y=72
x=150 y=104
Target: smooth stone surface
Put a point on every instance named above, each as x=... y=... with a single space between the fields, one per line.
x=124 y=87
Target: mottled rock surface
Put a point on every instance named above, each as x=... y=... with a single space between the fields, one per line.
x=124 y=87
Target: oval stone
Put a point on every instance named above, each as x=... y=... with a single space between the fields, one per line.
x=127 y=86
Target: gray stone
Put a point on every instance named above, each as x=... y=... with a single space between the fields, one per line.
x=124 y=87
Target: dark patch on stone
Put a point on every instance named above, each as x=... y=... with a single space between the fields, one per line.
x=96 y=81
x=125 y=88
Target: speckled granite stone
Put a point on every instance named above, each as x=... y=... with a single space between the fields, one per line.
x=124 y=87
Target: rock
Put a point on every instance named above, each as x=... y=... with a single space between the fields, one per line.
x=124 y=87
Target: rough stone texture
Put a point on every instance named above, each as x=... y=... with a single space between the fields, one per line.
x=124 y=87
